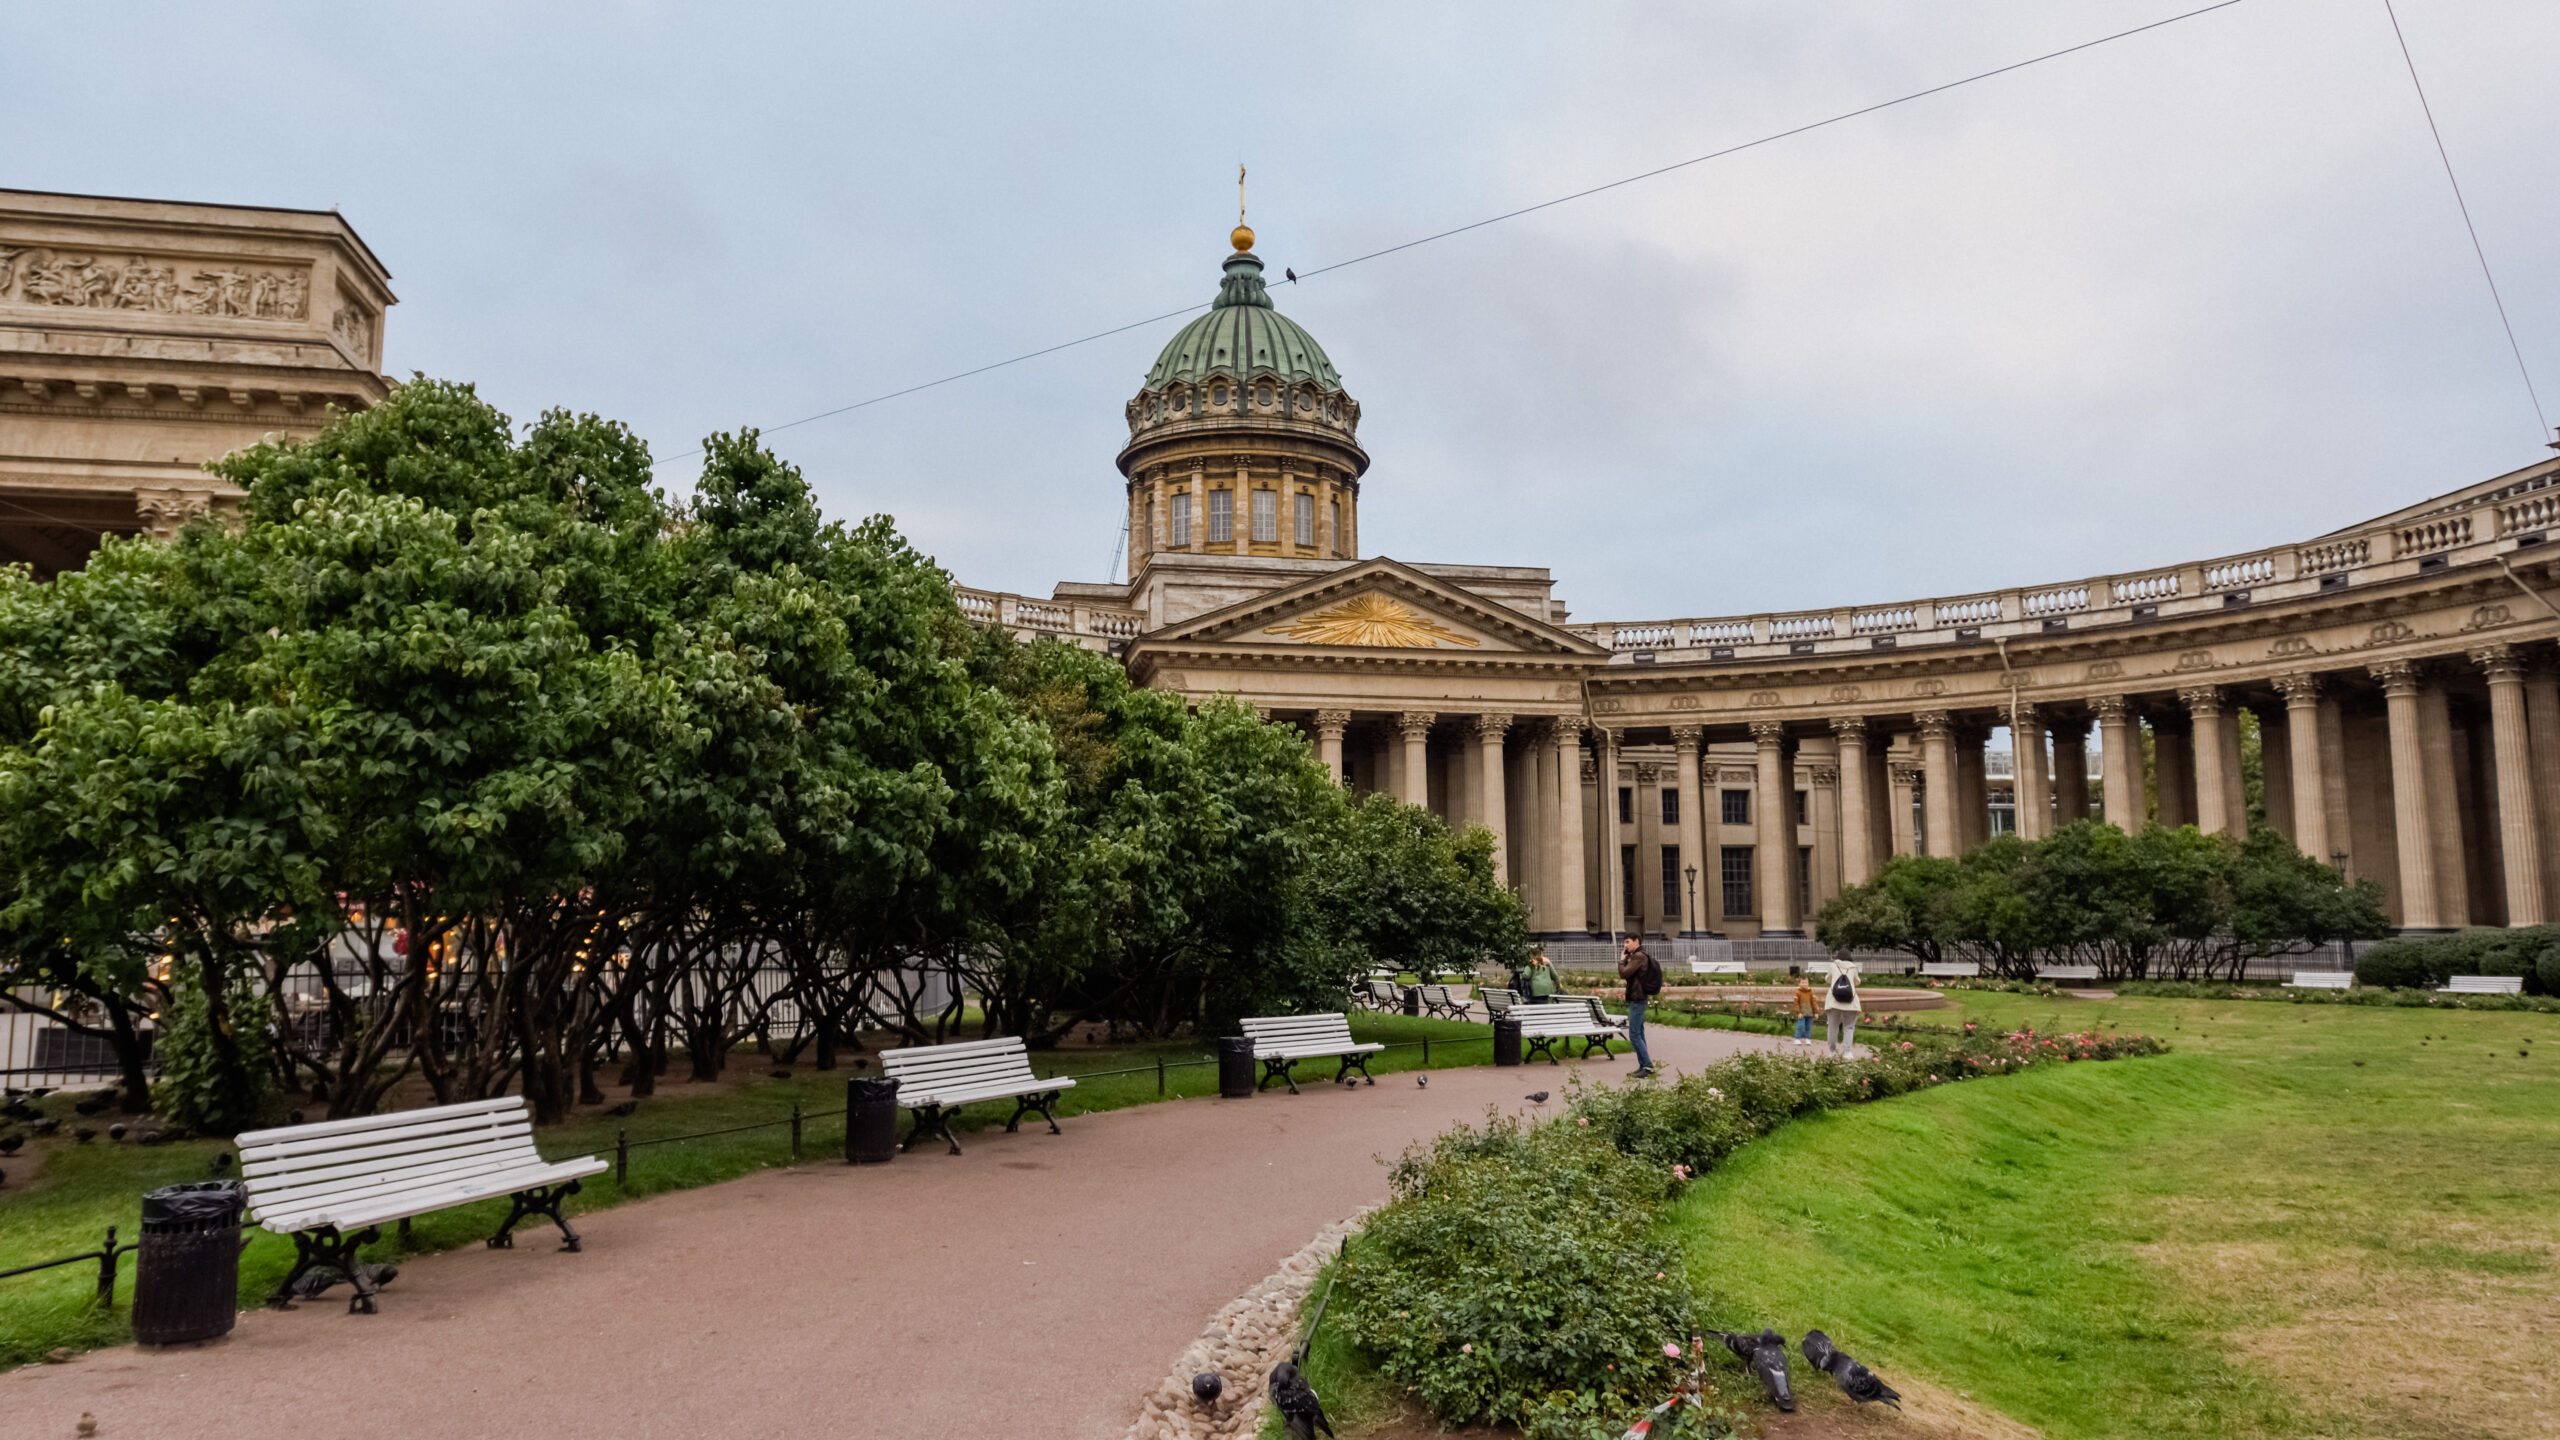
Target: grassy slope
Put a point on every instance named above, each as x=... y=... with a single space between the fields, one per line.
x=61 y=1197
x=2255 y=1236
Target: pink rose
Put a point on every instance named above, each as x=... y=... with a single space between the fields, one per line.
x=1466 y=1349
x=1671 y=1350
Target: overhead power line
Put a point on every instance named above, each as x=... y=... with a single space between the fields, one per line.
x=1653 y=174
x=2542 y=422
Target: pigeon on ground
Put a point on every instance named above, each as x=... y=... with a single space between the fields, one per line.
x=1856 y=1381
x=312 y=1282
x=9 y=1143
x=222 y=1163
x=625 y=1109
x=1765 y=1356
x=1300 y=1411
x=116 y=1131
x=85 y=1133
x=1206 y=1386
x=1422 y=1082
x=1538 y=1097
x=87 y=1424
x=94 y=1104
x=43 y=1127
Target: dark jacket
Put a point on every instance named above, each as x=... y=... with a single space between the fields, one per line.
x=1638 y=970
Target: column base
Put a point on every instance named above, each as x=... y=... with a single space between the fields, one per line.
x=2398 y=931
x=1783 y=935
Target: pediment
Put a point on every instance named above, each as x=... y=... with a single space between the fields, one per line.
x=1377 y=605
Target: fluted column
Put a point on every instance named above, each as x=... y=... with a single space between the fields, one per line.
x=1857 y=802
x=1571 y=912
x=1651 y=908
x=2028 y=781
x=2120 y=751
x=1903 y=791
x=2213 y=794
x=2070 y=768
x=1685 y=741
x=1415 y=772
x=1538 y=770
x=2173 y=761
x=2410 y=813
x=2310 y=786
x=1329 y=727
x=1492 y=811
x=1973 y=788
x=2542 y=719
x=1938 y=784
x=1613 y=882
x=1775 y=835
x=2519 y=820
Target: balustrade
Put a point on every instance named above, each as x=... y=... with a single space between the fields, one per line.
x=2331 y=556
x=2534 y=514
x=2144 y=589
x=1799 y=627
x=2061 y=600
x=1885 y=620
x=2234 y=574
x=1967 y=612
x=2428 y=536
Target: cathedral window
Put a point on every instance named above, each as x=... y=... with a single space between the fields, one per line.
x=1337 y=527
x=1181 y=538
x=1305 y=520
x=1222 y=516
x=1266 y=517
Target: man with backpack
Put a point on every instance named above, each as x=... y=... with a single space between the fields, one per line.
x=1643 y=975
x=1840 y=1009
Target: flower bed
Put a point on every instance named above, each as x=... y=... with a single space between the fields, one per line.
x=1516 y=1274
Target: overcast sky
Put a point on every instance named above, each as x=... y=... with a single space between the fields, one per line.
x=2186 y=294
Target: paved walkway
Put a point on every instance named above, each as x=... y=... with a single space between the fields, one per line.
x=1034 y=1287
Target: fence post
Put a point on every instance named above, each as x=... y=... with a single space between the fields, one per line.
x=1426 y=1052
x=107 y=1271
x=621 y=1156
x=795 y=1131
x=1159 y=1077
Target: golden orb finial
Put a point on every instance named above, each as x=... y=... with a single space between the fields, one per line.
x=1242 y=238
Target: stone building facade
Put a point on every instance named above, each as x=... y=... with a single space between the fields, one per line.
x=1728 y=774
x=142 y=338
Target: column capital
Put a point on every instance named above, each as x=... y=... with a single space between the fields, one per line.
x=2400 y=678
x=1687 y=737
x=1566 y=728
x=2111 y=709
x=1602 y=737
x=2024 y=716
x=1849 y=727
x=1415 y=724
x=1904 y=773
x=1332 y=722
x=1648 y=774
x=2301 y=691
x=1826 y=775
x=1935 y=724
x=1491 y=727
x=2500 y=663
x=1769 y=733
x=2202 y=701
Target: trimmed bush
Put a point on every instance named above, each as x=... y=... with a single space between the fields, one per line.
x=2426 y=962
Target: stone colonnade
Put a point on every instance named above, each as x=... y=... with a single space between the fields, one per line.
x=2438 y=778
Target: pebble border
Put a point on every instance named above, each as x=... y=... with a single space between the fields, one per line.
x=1247 y=1337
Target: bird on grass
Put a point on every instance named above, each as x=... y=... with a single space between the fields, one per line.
x=222 y=1163
x=626 y=1109
x=43 y=1127
x=85 y=1133
x=1538 y=1097
x=1765 y=1356
x=1856 y=1381
x=1300 y=1411
x=9 y=1143
x=116 y=1131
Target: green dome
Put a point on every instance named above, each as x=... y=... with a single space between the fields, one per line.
x=1243 y=337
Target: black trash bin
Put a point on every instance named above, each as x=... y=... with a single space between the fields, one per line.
x=186 y=1283
x=1413 y=999
x=1235 y=1067
x=1506 y=1040
x=870 y=1122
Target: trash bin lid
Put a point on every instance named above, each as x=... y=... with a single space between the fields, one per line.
x=872 y=1089
x=210 y=1202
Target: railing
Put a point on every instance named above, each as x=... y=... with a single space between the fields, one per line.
x=2470 y=529
x=1024 y=614
x=104 y=1257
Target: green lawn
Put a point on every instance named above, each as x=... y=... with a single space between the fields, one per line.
x=2309 y=1220
x=60 y=1197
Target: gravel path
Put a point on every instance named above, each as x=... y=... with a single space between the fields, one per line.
x=1036 y=1286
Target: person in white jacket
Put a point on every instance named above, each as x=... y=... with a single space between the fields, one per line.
x=1840 y=1009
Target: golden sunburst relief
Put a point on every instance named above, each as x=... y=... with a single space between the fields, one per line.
x=1370 y=619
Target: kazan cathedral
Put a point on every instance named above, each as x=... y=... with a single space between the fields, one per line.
x=1674 y=776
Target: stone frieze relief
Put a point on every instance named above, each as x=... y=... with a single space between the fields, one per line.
x=166 y=285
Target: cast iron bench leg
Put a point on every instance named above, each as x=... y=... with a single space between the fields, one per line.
x=1035 y=1105
x=545 y=1201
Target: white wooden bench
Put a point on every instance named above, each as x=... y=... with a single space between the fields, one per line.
x=2320 y=980
x=1380 y=993
x=1568 y=1018
x=2483 y=985
x=1443 y=1001
x=332 y=1185
x=2056 y=974
x=1951 y=969
x=1715 y=967
x=935 y=1081
x=1498 y=1002
x=1281 y=1041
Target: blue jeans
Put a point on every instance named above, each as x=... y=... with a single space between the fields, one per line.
x=1804 y=1027
x=1635 y=1033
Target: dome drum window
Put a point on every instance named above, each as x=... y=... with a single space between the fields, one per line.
x=1222 y=517
x=1266 y=518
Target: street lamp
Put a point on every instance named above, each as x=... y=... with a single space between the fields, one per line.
x=1692 y=873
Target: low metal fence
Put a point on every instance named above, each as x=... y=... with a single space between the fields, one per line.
x=104 y=1257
